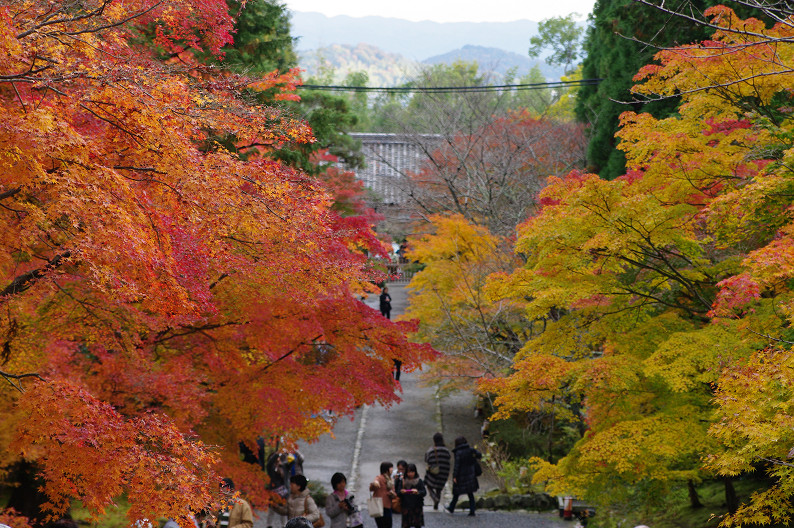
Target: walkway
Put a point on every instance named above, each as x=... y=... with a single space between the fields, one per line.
x=405 y=431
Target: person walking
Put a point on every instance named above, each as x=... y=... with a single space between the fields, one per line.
x=299 y=503
x=339 y=505
x=438 y=460
x=383 y=487
x=411 y=491
x=464 y=476
x=385 y=303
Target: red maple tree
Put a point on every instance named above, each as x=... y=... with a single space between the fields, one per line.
x=164 y=297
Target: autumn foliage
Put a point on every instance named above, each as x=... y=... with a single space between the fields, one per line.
x=674 y=281
x=476 y=186
x=665 y=295
x=165 y=295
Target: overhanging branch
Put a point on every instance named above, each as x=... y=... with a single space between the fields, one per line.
x=26 y=280
x=16 y=379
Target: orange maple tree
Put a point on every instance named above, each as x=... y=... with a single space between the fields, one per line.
x=165 y=297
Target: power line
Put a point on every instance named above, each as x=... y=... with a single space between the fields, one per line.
x=451 y=89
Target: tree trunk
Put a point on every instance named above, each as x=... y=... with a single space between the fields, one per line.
x=730 y=496
x=550 y=438
x=694 y=500
x=26 y=497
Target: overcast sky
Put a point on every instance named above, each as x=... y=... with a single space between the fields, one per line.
x=447 y=10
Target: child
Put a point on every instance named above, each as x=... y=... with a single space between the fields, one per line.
x=411 y=491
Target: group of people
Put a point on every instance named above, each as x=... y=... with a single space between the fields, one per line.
x=403 y=491
x=237 y=512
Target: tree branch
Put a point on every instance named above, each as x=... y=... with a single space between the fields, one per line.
x=15 y=380
x=9 y=193
x=26 y=280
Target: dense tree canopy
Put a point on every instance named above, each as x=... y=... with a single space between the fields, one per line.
x=477 y=337
x=667 y=292
x=623 y=36
x=472 y=192
x=162 y=292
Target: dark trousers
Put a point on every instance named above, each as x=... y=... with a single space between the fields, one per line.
x=455 y=501
x=385 y=521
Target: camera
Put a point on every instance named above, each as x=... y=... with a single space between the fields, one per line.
x=349 y=502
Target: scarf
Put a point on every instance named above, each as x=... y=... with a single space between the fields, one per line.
x=410 y=483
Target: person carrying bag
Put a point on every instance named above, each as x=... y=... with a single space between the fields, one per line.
x=299 y=503
x=439 y=461
x=375 y=507
x=379 y=505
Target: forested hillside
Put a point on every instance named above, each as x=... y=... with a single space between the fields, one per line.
x=335 y=62
x=498 y=61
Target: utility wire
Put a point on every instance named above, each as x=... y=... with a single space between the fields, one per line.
x=450 y=89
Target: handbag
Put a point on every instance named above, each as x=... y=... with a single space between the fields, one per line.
x=396 y=505
x=434 y=469
x=375 y=507
x=282 y=491
x=319 y=523
x=477 y=468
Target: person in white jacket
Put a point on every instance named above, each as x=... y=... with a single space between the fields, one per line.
x=299 y=503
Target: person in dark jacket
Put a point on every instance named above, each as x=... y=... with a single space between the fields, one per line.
x=385 y=303
x=438 y=460
x=411 y=491
x=464 y=476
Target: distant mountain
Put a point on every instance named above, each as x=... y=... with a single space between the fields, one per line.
x=495 y=60
x=414 y=40
x=383 y=68
x=391 y=69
